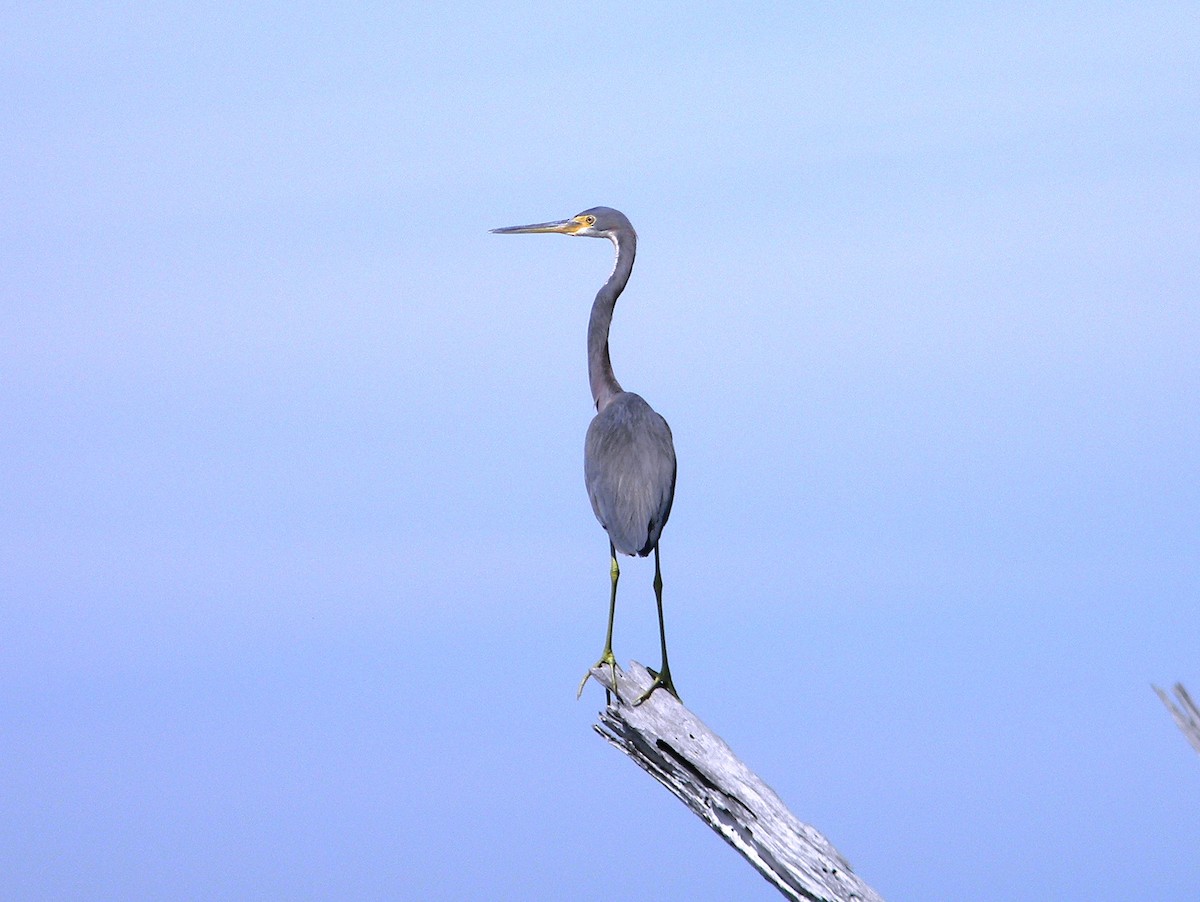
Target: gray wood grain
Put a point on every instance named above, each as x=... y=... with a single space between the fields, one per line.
x=1186 y=714
x=671 y=744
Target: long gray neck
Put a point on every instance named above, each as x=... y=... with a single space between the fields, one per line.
x=604 y=384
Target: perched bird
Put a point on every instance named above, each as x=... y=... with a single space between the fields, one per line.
x=628 y=457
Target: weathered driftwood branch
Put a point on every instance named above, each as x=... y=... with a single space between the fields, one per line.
x=677 y=749
x=1187 y=715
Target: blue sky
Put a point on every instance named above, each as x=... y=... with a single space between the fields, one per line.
x=297 y=572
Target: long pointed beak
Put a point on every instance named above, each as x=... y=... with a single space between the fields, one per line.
x=564 y=226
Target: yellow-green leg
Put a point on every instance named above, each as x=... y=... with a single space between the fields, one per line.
x=662 y=679
x=607 y=657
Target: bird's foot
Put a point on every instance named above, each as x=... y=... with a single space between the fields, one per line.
x=606 y=660
x=661 y=681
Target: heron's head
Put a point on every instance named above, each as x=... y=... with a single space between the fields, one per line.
x=598 y=222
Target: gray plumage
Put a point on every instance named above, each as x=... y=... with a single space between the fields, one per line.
x=629 y=457
x=629 y=470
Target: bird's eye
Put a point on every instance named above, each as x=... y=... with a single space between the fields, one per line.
x=590 y=220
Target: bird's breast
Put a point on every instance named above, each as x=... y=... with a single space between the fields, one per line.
x=629 y=470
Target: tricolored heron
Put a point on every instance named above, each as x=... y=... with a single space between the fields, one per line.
x=628 y=456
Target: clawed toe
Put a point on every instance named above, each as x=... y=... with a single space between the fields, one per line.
x=606 y=660
x=661 y=681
